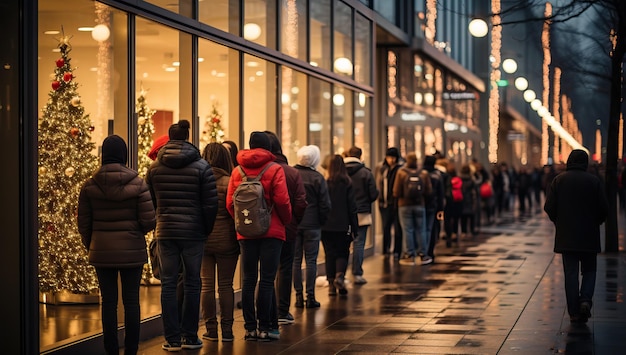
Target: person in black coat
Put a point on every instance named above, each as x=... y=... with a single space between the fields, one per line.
x=114 y=213
x=387 y=204
x=184 y=194
x=577 y=205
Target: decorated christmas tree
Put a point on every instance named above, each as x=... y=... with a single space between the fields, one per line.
x=66 y=161
x=212 y=131
x=145 y=130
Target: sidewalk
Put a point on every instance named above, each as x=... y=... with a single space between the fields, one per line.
x=500 y=293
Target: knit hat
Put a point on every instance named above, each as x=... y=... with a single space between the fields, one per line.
x=179 y=131
x=114 y=150
x=309 y=156
x=274 y=143
x=393 y=152
x=429 y=162
x=260 y=140
x=158 y=144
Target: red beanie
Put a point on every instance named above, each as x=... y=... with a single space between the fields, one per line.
x=157 y=145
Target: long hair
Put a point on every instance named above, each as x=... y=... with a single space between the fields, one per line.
x=337 y=171
x=232 y=148
x=218 y=156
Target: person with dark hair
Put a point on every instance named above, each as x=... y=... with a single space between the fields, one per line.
x=387 y=203
x=365 y=193
x=577 y=205
x=470 y=202
x=310 y=228
x=434 y=204
x=341 y=227
x=284 y=279
x=233 y=150
x=115 y=212
x=260 y=256
x=221 y=253
x=184 y=194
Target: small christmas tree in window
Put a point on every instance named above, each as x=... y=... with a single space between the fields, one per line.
x=145 y=130
x=213 y=131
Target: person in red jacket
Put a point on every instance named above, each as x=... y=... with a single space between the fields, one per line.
x=264 y=250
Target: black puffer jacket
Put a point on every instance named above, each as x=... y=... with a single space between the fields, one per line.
x=317 y=198
x=183 y=191
x=577 y=205
x=365 y=191
x=114 y=213
x=343 y=213
x=223 y=238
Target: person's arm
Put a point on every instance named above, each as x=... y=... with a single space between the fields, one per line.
x=147 y=217
x=85 y=218
x=279 y=195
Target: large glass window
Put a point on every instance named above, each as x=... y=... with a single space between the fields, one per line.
x=181 y=7
x=293 y=113
x=362 y=125
x=259 y=96
x=342 y=119
x=320 y=34
x=343 y=61
x=319 y=115
x=260 y=22
x=362 y=50
x=221 y=14
x=293 y=28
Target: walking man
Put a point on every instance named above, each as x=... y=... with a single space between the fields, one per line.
x=576 y=203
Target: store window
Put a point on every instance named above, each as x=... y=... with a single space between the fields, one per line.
x=221 y=14
x=260 y=22
x=293 y=36
x=320 y=33
x=362 y=125
x=342 y=119
x=218 y=93
x=181 y=7
x=363 y=50
x=343 y=61
x=293 y=113
x=259 y=96
x=319 y=115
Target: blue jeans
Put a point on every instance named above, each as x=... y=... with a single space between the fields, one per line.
x=574 y=294
x=173 y=253
x=358 y=248
x=130 y=279
x=412 y=222
x=307 y=243
x=259 y=261
x=429 y=221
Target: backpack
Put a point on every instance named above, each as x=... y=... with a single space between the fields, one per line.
x=485 y=190
x=252 y=215
x=414 y=186
x=457 y=193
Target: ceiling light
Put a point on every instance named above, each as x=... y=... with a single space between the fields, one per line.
x=85 y=29
x=478 y=27
x=251 y=31
x=51 y=32
x=343 y=65
x=100 y=33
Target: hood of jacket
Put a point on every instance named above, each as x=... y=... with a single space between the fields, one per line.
x=113 y=180
x=353 y=165
x=254 y=158
x=177 y=154
x=578 y=160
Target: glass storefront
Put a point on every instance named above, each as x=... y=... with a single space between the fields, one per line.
x=156 y=62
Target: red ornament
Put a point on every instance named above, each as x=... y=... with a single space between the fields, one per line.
x=74 y=132
x=67 y=77
x=56 y=85
x=91 y=128
x=60 y=62
x=216 y=120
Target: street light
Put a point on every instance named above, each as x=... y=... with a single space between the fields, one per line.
x=529 y=95
x=478 y=28
x=509 y=66
x=521 y=83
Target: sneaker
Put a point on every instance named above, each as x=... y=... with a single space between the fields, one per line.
x=250 y=335
x=210 y=335
x=227 y=337
x=340 y=285
x=274 y=334
x=264 y=336
x=172 y=347
x=427 y=260
x=359 y=280
x=192 y=344
x=585 y=311
x=407 y=260
x=286 y=319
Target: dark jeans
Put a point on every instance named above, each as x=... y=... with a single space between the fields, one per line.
x=307 y=243
x=259 y=261
x=172 y=253
x=389 y=216
x=429 y=220
x=337 y=251
x=434 y=237
x=284 y=279
x=358 y=249
x=575 y=293
x=225 y=266
x=108 y=279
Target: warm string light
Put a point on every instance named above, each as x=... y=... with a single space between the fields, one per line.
x=620 y=138
x=556 y=109
x=431 y=19
x=545 y=43
x=103 y=81
x=392 y=73
x=65 y=162
x=291 y=38
x=494 y=76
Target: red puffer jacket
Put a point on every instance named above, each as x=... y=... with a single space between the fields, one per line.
x=252 y=161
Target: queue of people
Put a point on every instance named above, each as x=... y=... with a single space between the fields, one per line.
x=188 y=199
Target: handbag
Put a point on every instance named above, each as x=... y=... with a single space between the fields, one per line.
x=155 y=261
x=485 y=190
x=365 y=219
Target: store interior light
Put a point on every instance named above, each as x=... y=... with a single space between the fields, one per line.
x=100 y=33
x=521 y=83
x=362 y=99
x=343 y=65
x=339 y=100
x=509 y=66
x=478 y=28
x=429 y=98
x=418 y=98
x=251 y=31
x=535 y=104
x=529 y=95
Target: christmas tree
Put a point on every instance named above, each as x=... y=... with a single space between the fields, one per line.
x=66 y=161
x=212 y=131
x=145 y=130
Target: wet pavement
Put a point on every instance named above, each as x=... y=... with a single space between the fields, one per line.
x=500 y=292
